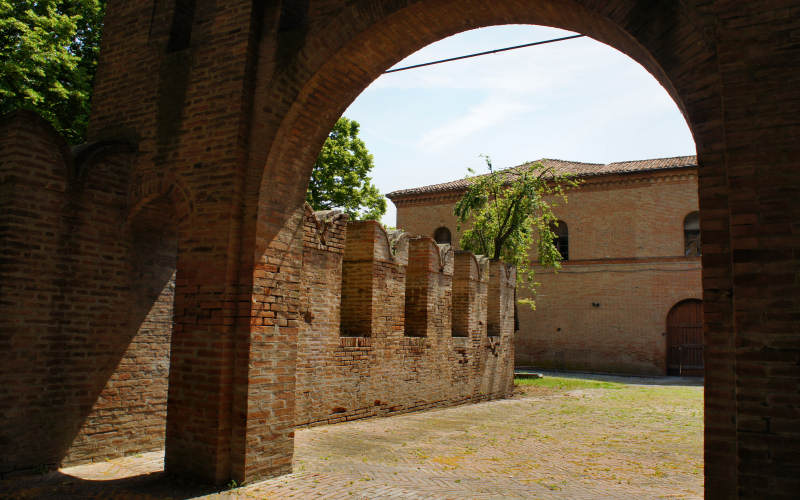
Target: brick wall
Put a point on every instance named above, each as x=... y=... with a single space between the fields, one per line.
x=626 y=248
x=88 y=298
x=605 y=317
x=386 y=369
x=86 y=305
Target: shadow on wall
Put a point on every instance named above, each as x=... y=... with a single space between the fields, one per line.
x=86 y=302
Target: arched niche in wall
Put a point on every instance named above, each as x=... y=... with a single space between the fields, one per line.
x=443 y=236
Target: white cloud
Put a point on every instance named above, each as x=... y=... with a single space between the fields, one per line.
x=577 y=100
x=486 y=115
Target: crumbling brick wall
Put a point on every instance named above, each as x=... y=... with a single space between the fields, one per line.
x=382 y=368
x=87 y=298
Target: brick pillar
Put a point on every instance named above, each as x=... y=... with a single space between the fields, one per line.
x=468 y=274
x=263 y=404
x=428 y=288
x=177 y=77
x=201 y=360
x=33 y=191
x=319 y=336
x=500 y=316
x=498 y=372
x=373 y=278
x=356 y=307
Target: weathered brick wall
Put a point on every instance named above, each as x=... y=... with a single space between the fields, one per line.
x=626 y=247
x=383 y=370
x=130 y=412
x=88 y=299
x=34 y=176
x=86 y=303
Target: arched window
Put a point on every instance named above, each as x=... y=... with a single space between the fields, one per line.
x=561 y=240
x=691 y=235
x=442 y=236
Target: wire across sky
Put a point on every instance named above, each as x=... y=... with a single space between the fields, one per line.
x=484 y=53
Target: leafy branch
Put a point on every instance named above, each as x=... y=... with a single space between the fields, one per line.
x=509 y=212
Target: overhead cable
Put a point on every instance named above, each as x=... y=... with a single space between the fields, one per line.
x=495 y=51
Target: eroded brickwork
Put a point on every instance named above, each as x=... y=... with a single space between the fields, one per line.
x=386 y=369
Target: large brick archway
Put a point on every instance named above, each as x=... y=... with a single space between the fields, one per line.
x=228 y=104
x=668 y=41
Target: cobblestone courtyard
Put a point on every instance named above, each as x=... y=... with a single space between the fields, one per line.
x=560 y=439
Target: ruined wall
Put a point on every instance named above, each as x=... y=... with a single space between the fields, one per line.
x=234 y=99
x=408 y=356
x=87 y=299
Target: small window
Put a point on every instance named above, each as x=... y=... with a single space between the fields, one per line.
x=561 y=241
x=691 y=235
x=442 y=236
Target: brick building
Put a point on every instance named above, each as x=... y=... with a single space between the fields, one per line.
x=630 y=242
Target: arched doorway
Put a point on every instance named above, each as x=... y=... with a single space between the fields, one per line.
x=685 y=338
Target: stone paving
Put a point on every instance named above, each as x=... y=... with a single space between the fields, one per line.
x=632 y=441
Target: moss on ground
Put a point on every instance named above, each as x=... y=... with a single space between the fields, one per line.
x=566 y=384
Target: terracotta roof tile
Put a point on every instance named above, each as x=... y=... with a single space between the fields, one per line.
x=564 y=167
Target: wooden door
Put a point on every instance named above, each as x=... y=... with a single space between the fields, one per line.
x=685 y=339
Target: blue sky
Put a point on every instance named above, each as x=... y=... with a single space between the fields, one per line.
x=574 y=100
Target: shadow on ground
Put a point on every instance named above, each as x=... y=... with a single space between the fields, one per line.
x=622 y=379
x=642 y=439
x=153 y=485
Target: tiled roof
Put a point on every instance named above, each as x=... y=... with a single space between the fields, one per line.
x=564 y=167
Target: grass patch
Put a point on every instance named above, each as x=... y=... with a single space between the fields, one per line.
x=566 y=384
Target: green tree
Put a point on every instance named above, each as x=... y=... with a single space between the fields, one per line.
x=510 y=212
x=340 y=177
x=48 y=57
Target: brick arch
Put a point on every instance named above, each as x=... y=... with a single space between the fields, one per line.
x=145 y=191
x=669 y=45
x=671 y=40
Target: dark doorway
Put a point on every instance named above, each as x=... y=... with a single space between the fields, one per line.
x=685 y=338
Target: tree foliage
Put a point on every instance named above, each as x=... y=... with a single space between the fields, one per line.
x=48 y=57
x=340 y=178
x=509 y=212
